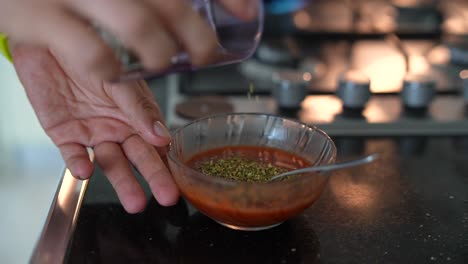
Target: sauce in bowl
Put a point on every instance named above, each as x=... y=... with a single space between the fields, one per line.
x=267 y=140
x=244 y=163
x=257 y=204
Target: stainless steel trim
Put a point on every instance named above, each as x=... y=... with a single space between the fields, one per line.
x=61 y=221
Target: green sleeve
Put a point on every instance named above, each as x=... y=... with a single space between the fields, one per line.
x=4 y=47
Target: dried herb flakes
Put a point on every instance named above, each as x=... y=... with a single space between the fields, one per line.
x=240 y=169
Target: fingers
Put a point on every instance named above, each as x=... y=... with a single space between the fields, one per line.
x=137 y=103
x=68 y=37
x=147 y=161
x=115 y=166
x=244 y=9
x=194 y=34
x=77 y=160
x=154 y=29
x=136 y=25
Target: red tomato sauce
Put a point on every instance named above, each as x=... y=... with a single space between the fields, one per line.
x=245 y=207
x=276 y=157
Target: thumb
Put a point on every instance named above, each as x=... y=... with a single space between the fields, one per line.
x=136 y=101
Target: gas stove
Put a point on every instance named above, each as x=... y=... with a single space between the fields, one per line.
x=377 y=96
x=415 y=70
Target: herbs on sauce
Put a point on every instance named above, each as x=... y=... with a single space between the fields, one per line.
x=240 y=169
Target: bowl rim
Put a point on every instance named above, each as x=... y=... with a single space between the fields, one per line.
x=170 y=152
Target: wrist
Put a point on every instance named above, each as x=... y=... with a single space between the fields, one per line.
x=4 y=48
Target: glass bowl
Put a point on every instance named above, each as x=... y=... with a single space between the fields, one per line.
x=242 y=205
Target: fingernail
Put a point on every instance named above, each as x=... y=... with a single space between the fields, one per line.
x=161 y=130
x=79 y=177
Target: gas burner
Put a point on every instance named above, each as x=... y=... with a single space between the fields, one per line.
x=194 y=108
x=354 y=90
x=290 y=88
x=418 y=91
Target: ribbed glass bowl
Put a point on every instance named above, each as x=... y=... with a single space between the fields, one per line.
x=242 y=205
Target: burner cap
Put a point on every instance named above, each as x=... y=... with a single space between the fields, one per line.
x=198 y=107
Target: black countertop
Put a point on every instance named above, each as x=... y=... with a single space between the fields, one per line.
x=411 y=206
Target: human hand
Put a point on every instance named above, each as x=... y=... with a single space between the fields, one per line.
x=121 y=122
x=153 y=29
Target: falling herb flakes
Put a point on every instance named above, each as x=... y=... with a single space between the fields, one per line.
x=240 y=169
